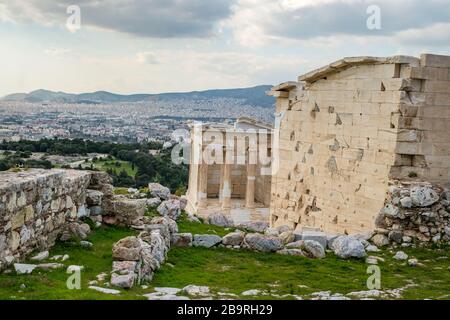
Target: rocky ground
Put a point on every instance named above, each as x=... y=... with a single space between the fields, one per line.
x=163 y=253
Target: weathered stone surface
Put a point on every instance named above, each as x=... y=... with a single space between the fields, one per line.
x=126 y=211
x=254 y=226
x=182 y=239
x=233 y=238
x=40 y=256
x=153 y=202
x=291 y=252
x=313 y=249
x=170 y=208
x=259 y=242
x=318 y=236
x=424 y=196
x=22 y=268
x=125 y=281
x=159 y=191
x=127 y=249
x=94 y=197
x=105 y=290
x=287 y=237
x=396 y=236
x=400 y=255
x=50 y=266
x=380 y=240
x=219 y=219
x=348 y=247
x=194 y=290
x=206 y=240
x=171 y=224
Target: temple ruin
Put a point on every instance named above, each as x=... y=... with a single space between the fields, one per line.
x=346 y=134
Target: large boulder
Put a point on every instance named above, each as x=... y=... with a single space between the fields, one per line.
x=313 y=249
x=153 y=202
x=220 y=220
x=233 y=238
x=75 y=230
x=170 y=208
x=157 y=190
x=182 y=240
x=259 y=242
x=206 y=240
x=347 y=247
x=126 y=211
x=423 y=196
x=254 y=226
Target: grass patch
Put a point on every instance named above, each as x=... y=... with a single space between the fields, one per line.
x=185 y=226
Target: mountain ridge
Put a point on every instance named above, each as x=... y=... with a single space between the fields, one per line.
x=255 y=96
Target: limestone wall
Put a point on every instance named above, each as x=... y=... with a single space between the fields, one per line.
x=350 y=127
x=35 y=207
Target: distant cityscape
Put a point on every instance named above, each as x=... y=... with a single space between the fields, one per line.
x=152 y=120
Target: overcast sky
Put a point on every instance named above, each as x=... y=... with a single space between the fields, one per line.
x=145 y=46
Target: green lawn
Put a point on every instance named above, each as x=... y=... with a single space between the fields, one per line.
x=104 y=164
x=232 y=271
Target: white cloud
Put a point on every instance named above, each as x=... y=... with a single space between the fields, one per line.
x=147 y=57
x=57 y=52
x=146 y=18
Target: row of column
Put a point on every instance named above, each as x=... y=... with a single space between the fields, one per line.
x=226 y=186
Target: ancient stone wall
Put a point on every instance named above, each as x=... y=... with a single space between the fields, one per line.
x=415 y=211
x=37 y=205
x=349 y=128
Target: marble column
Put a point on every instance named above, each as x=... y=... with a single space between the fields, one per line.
x=250 y=187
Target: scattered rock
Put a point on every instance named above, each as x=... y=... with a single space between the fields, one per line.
x=413 y=262
x=50 y=266
x=348 y=247
x=40 y=256
x=220 y=220
x=400 y=255
x=194 y=290
x=206 y=240
x=252 y=292
x=181 y=240
x=86 y=244
x=105 y=290
x=22 y=268
x=233 y=238
x=74 y=268
x=125 y=281
x=159 y=191
x=396 y=236
x=380 y=240
x=313 y=249
x=254 y=226
x=259 y=242
x=372 y=248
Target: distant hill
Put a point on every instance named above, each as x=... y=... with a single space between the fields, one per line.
x=255 y=96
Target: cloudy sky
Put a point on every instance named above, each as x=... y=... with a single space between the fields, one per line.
x=137 y=46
